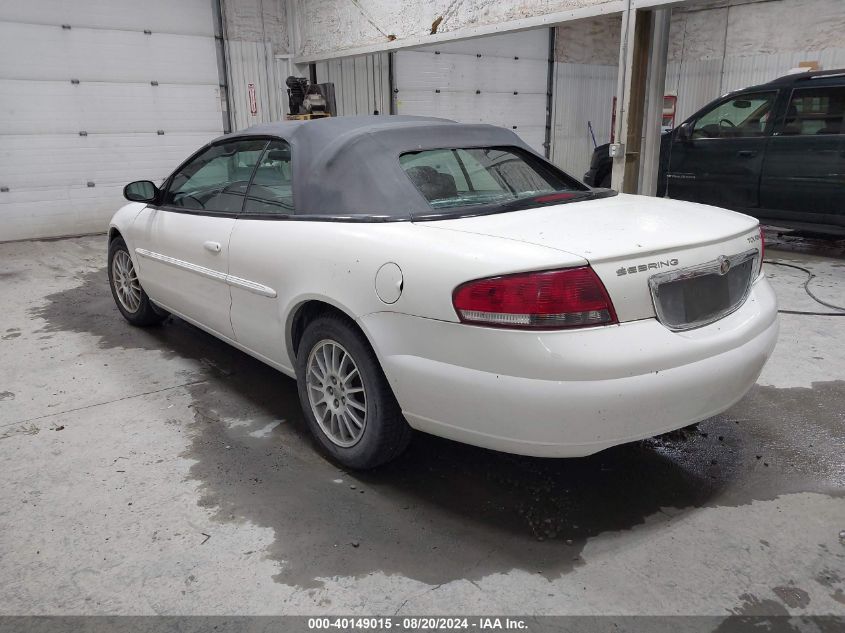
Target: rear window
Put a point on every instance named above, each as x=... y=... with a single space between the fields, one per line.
x=487 y=178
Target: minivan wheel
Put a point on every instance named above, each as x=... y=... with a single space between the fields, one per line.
x=131 y=300
x=347 y=401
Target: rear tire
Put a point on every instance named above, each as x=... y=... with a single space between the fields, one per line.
x=345 y=396
x=131 y=300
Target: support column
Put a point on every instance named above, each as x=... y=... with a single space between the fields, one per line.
x=655 y=89
x=630 y=102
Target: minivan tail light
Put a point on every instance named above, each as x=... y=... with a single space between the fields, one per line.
x=552 y=299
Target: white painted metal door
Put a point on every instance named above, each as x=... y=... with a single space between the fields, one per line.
x=498 y=79
x=94 y=95
x=183 y=261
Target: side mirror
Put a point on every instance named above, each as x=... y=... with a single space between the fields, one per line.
x=685 y=131
x=141 y=191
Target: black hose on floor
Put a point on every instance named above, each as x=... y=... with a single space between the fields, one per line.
x=810 y=276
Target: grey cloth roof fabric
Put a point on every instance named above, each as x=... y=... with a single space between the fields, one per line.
x=349 y=166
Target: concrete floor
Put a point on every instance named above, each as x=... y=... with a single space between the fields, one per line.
x=159 y=471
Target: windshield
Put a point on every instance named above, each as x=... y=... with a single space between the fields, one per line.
x=495 y=178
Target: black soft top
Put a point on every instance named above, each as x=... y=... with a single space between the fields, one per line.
x=349 y=166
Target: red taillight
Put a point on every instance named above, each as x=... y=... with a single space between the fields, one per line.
x=554 y=299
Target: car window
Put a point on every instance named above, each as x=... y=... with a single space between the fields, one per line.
x=815 y=111
x=216 y=180
x=271 y=191
x=459 y=177
x=737 y=117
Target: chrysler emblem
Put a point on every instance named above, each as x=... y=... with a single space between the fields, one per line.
x=724 y=265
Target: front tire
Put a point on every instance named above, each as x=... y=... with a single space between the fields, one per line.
x=345 y=396
x=131 y=300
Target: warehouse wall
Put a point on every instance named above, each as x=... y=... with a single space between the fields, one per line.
x=715 y=47
x=586 y=68
x=361 y=83
x=498 y=79
x=256 y=39
x=94 y=95
x=328 y=27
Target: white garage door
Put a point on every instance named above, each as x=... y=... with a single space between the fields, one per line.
x=95 y=94
x=498 y=79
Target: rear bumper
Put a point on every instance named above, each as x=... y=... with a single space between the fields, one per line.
x=570 y=393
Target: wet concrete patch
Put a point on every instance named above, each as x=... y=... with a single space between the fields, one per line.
x=805 y=244
x=89 y=308
x=793 y=597
x=444 y=510
x=752 y=605
x=830 y=579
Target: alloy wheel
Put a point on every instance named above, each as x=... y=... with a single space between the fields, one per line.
x=125 y=281
x=336 y=393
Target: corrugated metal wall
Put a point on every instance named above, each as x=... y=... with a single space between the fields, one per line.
x=361 y=84
x=253 y=63
x=700 y=81
x=582 y=93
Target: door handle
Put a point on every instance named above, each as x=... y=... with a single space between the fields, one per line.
x=214 y=247
x=746 y=153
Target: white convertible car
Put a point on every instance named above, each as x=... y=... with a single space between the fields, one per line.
x=416 y=273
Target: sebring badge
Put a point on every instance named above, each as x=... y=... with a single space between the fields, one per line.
x=724 y=265
x=641 y=268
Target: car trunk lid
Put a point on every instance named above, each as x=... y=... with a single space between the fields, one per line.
x=629 y=240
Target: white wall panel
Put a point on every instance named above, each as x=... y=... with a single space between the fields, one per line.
x=46 y=161
x=362 y=84
x=500 y=79
x=504 y=45
x=253 y=63
x=505 y=109
x=35 y=52
x=73 y=210
x=188 y=17
x=582 y=93
x=45 y=164
x=697 y=82
x=47 y=178
x=336 y=28
x=742 y=71
x=458 y=71
x=55 y=107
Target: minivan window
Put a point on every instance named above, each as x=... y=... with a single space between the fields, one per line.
x=216 y=180
x=738 y=117
x=491 y=176
x=270 y=192
x=815 y=111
